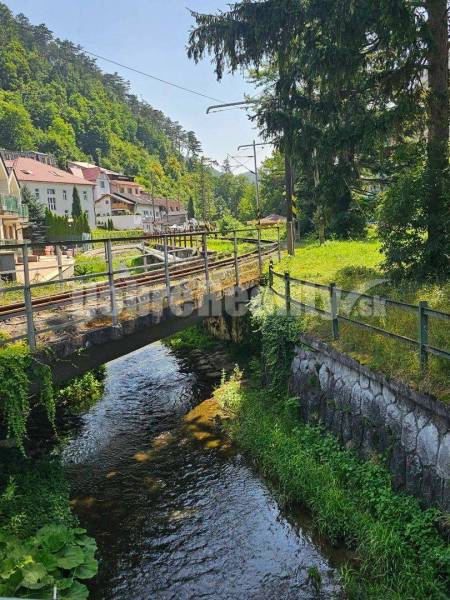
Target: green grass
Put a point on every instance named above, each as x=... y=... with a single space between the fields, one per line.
x=224 y=247
x=356 y=265
x=192 y=338
x=398 y=552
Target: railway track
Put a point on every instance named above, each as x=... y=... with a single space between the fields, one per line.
x=194 y=267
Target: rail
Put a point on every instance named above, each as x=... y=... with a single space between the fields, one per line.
x=422 y=310
x=105 y=283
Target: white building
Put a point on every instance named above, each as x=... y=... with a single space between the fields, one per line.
x=97 y=175
x=53 y=187
x=132 y=211
x=126 y=211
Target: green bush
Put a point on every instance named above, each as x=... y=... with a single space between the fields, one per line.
x=397 y=551
x=402 y=224
x=55 y=556
x=33 y=493
x=278 y=335
x=17 y=369
x=83 y=392
x=191 y=338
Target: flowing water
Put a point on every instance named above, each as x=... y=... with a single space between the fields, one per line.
x=177 y=513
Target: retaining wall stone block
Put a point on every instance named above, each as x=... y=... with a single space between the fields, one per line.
x=409 y=432
x=428 y=445
x=443 y=461
x=373 y=415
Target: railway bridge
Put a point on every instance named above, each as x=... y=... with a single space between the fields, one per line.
x=125 y=293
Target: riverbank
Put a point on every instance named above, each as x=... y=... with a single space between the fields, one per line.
x=397 y=549
x=42 y=546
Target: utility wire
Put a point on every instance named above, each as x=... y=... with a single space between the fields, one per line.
x=175 y=85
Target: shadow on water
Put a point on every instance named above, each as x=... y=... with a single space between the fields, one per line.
x=176 y=512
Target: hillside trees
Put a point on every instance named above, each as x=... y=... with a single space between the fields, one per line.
x=55 y=99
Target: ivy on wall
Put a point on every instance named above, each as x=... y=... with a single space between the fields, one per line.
x=17 y=370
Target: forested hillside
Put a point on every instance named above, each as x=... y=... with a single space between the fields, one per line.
x=53 y=98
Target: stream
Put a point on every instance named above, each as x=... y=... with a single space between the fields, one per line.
x=177 y=513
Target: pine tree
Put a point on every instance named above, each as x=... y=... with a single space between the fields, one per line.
x=344 y=91
x=36 y=229
x=190 y=208
x=76 y=204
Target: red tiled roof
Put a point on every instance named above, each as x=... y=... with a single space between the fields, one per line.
x=91 y=173
x=27 y=169
x=170 y=203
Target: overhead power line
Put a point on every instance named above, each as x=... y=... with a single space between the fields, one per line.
x=175 y=85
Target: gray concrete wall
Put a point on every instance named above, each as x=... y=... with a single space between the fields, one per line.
x=376 y=416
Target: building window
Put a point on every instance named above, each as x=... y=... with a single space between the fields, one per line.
x=146 y=213
x=51 y=199
x=64 y=194
x=36 y=193
x=102 y=184
x=85 y=195
x=130 y=190
x=106 y=202
x=122 y=190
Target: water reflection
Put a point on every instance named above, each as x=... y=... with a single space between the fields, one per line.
x=176 y=512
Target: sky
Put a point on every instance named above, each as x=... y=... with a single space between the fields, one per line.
x=151 y=36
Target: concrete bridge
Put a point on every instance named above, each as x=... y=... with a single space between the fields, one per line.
x=87 y=319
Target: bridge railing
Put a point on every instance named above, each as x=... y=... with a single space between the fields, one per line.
x=338 y=299
x=39 y=277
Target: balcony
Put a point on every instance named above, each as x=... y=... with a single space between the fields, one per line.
x=9 y=205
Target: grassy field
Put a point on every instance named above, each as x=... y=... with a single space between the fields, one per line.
x=356 y=265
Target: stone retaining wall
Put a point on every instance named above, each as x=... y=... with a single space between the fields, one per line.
x=374 y=415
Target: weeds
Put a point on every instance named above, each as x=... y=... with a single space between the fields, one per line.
x=399 y=552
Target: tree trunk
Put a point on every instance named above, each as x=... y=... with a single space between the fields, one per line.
x=436 y=203
x=289 y=225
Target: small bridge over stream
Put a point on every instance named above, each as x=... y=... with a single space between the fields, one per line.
x=128 y=292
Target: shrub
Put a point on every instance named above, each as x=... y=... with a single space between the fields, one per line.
x=279 y=334
x=55 y=556
x=83 y=392
x=402 y=224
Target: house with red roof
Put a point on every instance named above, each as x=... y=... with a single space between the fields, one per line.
x=53 y=187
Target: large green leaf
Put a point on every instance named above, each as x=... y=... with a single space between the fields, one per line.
x=77 y=591
x=54 y=537
x=70 y=558
x=46 y=558
x=87 y=570
x=87 y=542
x=34 y=576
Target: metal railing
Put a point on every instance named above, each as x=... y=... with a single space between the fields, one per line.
x=421 y=310
x=107 y=283
x=12 y=205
